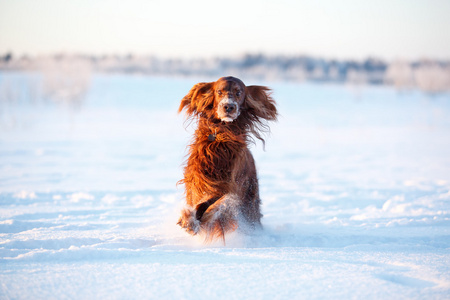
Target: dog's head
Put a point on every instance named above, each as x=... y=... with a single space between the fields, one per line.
x=227 y=100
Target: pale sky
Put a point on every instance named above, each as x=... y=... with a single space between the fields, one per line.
x=357 y=29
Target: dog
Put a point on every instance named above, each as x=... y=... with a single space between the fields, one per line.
x=221 y=183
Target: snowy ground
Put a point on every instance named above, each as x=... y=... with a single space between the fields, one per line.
x=355 y=185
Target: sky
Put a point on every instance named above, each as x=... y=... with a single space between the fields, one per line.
x=347 y=29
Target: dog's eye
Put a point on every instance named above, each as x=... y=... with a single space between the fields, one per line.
x=219 y=92
x=238 y=93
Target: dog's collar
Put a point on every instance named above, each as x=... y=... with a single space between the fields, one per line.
x=213 y=136
x=216 y=132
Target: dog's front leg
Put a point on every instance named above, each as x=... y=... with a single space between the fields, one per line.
x=191 y=217
x=188 y=220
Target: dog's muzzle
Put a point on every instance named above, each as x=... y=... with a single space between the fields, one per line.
x=228 y=110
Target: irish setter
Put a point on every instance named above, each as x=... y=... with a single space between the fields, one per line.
x=221 y=185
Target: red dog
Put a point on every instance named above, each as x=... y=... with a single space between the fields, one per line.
x=220 y=175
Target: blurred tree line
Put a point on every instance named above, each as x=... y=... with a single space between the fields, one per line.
x=426 y=74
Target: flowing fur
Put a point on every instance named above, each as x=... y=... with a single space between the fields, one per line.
x=221 y=185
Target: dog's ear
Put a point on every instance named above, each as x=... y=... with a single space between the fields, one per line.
x=259 y=104
x=199 y=99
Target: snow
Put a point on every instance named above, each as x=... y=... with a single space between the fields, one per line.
x=355 y=183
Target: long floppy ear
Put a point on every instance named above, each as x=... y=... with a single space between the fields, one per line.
x=259 y=107
x=259 y=104
x=199 y=99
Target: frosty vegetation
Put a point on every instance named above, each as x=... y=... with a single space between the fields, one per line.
x=427 y=74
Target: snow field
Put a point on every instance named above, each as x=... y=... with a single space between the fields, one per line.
x=355 y=184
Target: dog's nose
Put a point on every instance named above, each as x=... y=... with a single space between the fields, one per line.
x=229 y=107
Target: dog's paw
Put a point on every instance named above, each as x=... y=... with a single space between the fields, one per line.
x=188 y=221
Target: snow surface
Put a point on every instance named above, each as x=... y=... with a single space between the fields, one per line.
x=355 y=184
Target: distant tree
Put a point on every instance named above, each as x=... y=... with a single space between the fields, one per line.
x=400 y=74
x=432 y=77
x=8 y=57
